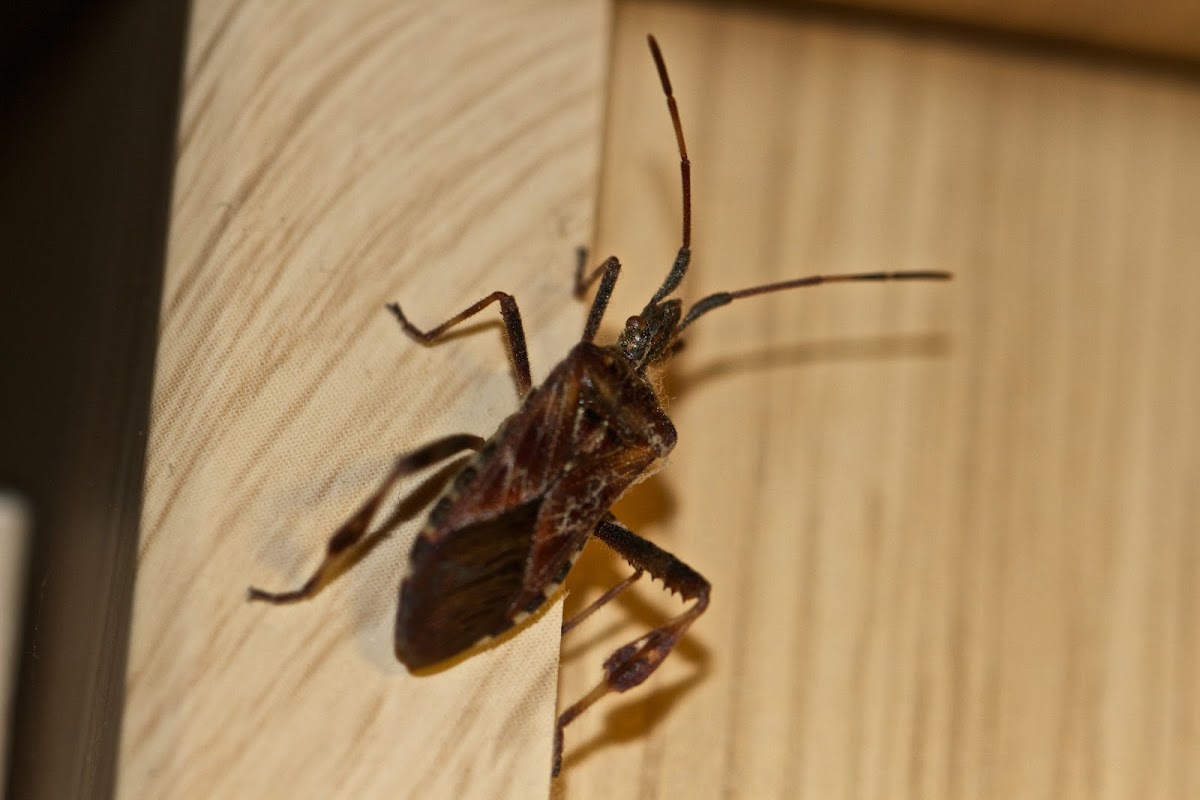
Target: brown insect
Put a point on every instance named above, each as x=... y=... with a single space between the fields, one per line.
x=501 y=539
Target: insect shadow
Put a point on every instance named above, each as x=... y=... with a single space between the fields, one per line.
x=653 y=502
x=632 y=720
x=679 y=383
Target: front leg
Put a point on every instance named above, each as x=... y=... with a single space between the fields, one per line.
x=608 y=272
x=514 y=332
x=630 y=665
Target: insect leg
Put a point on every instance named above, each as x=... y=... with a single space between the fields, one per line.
x=633 y=663
x=581 y=259
x=600 y=601
x=513 y=330
x=609 y=269
x=347 y=544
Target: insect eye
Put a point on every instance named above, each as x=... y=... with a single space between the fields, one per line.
x=633 y=322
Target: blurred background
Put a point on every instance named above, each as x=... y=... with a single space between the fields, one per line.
x=89 y=98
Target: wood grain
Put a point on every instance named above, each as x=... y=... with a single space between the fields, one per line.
x=332 y=158
x=1164 y=27
x=951 y=529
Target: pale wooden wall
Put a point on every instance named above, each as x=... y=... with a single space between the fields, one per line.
x=1163 y=27
x=334 y=157
x=950 y=528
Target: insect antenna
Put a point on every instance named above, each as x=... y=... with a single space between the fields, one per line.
x=707 y=304
x=679 y=268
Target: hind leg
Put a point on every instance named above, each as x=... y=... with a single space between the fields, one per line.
x=632 y=664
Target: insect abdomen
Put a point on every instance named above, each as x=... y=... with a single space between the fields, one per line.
x=461 y=585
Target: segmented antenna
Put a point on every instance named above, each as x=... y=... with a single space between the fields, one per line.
x=679 y=268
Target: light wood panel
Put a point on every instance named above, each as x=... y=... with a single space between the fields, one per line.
x=334 y=157
x=951 y=528
x=1162 y=27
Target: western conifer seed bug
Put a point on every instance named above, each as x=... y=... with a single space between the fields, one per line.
x=502 y=537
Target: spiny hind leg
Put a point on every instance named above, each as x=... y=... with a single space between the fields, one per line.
x=347 y=545
x=630 y=665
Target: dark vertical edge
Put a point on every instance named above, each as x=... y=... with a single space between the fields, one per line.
x=90 y=105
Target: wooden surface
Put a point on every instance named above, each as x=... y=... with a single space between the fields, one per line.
x=332 y=158
x=951 y=529
x=1162 y=27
